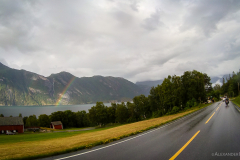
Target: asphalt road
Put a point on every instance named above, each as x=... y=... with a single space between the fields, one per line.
x=211 y=133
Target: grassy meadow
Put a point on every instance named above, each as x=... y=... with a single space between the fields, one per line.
x=37 y=136
x=36 y=145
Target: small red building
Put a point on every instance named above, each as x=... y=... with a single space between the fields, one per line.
x=56 y=125
x=13 y=124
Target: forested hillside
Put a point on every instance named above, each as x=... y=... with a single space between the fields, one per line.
x=20 y=87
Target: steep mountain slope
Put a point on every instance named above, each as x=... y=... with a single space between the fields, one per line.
x=147 y=85
x=150 y=83
x=20 y=87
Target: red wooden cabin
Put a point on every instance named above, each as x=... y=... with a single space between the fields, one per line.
x=56 y=125
x=13 y=124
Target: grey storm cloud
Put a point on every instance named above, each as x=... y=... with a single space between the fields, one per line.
x=17 y=25
x=153 y=22
x=134 y=6
x=206 y=14
x=137 y=39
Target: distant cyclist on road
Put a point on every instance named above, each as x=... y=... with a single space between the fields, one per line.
x=226 y=101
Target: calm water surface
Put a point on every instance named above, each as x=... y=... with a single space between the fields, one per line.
x=38 y=110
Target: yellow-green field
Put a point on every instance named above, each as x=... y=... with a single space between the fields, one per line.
x=29 y=146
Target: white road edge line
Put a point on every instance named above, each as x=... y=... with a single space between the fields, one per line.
x=121 y=141
x=108 y=145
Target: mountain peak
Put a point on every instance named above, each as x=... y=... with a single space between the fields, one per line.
x=63 y=73
x=3 y=66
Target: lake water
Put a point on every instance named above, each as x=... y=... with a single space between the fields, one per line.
x=38 y=110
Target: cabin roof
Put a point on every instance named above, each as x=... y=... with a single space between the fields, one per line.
x=57 y=123
x=6 y=121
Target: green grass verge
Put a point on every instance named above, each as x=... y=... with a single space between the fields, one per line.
x=65 y=129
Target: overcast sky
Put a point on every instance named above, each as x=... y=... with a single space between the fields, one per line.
x=135 y=39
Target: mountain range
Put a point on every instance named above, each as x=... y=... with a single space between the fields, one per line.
x=21 y=87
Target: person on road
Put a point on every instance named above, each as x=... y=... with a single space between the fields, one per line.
x=226 y=101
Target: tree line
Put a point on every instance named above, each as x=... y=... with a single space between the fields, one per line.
x=175 y=94
x=230 y=85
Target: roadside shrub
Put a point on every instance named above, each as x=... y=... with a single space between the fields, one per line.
x=195 y=104
x=156 y=114
x=191 y=103
x=175 y=109
x=131 y=120
x=188 y=105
